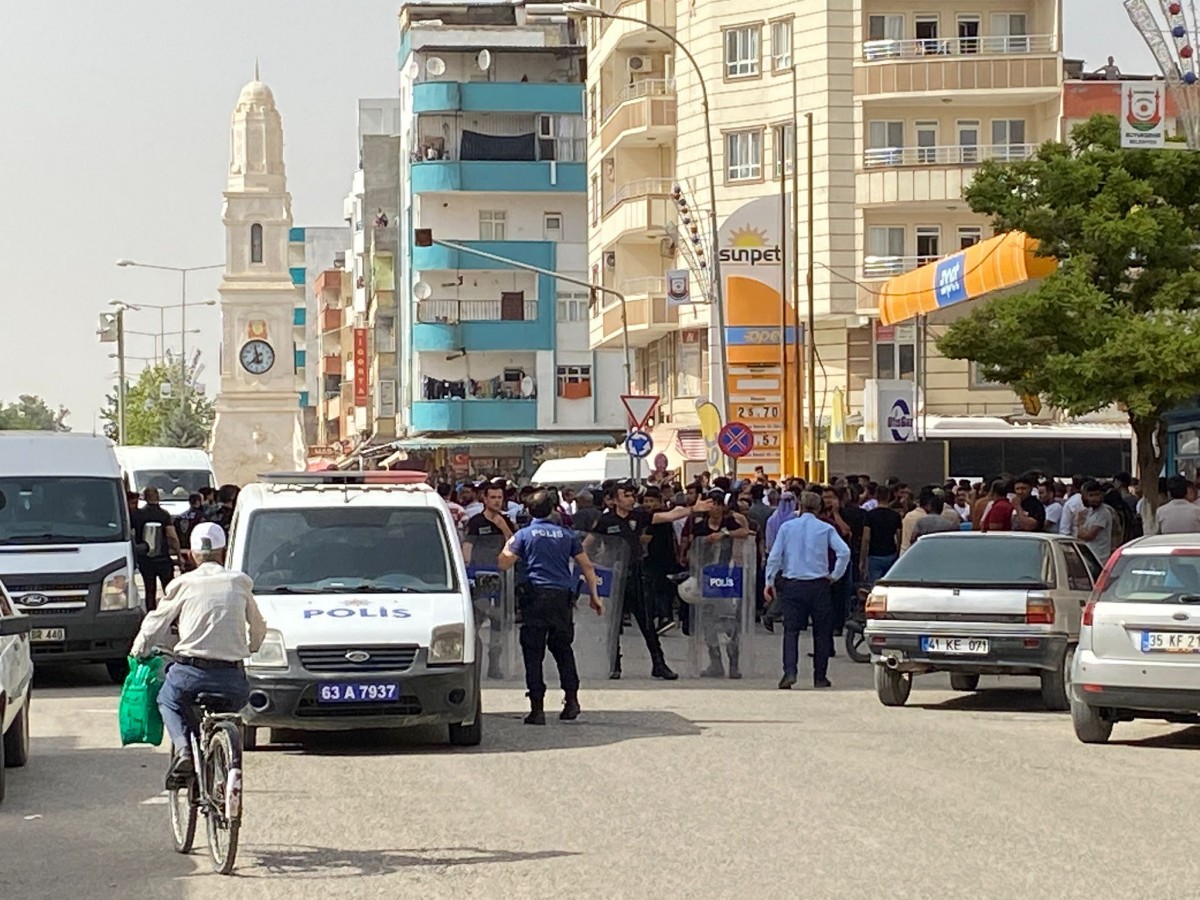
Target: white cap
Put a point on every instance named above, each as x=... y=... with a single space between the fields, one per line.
x=207 y=536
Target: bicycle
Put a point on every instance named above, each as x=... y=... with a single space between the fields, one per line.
x=215 y=790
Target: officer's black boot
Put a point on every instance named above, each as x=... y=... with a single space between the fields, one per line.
x=615 y=673
x=660 y=669
x=494 y=671
x=537 y=714
x=734 y=672
x=715 y=668
x=570 y=706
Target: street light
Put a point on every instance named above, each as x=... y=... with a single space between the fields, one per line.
x=183 y=272
x=587 y=10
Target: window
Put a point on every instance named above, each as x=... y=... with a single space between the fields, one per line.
x=982 y=378
x=885 y=143
x=743 y=155
x=552 y=226
x=594 y=197
x=492 y=224
x=593 y=109
x=885 y=251
x=895 y=351
x=573 y=306
x=926 y=30
x=574 y=382
x=969 y=235
x=947 y=561
x=929 y=241
x=783 y=139
x=256 y=243
x=1009 y=34
x=968 y=142
x=927 y=141
x=781 y=45
x=742 y=51
x=885 y=28
x=1008 y=139
x=968 y=34
x=43 y=509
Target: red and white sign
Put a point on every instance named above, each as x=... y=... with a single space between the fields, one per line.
x=640 y=408
x=362 y=368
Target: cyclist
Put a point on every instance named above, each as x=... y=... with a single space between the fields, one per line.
x=213 y=607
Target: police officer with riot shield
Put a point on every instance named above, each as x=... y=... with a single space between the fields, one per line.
x=547 y=549
x=486 y=534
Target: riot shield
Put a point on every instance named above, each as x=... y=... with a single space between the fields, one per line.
x=494 y=596
x=597 y=637
x=721 y=590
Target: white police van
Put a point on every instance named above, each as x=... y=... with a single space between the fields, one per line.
x=368 y=609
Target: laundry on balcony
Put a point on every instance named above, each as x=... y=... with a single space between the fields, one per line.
x=499 y=388
x=498 y=148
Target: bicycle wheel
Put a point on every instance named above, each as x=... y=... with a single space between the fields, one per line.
x=223 y=762
x=184 y=803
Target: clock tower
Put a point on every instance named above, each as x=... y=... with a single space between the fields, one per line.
x=258 y=426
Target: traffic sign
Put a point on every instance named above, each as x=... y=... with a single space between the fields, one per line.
x=661 y=462
x=638 y=444
x=640 y=407
x=735 y=440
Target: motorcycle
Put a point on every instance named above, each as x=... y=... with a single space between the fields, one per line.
x=854 y=632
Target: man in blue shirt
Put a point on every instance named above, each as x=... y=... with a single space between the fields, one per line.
x=800 y=557
x=547 y=549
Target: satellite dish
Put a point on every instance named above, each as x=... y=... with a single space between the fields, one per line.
x=526 y=386
x=484 y=59
x=412 y=70
x=435 y=66
x=422 y=290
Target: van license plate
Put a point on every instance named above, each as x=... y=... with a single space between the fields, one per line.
x=955 y=646
x=44 y=635
x=1170 y=642
x=358 y=692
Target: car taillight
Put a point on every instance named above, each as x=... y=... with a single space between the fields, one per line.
x=876 y=606
x=1088 y=612
x=1039 y=609
x=1186 y=551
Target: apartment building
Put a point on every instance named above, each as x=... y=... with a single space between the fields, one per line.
x=904 y=104
x=492 y=148
x=310 y=251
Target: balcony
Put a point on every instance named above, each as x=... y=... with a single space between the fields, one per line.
x=331 y=319
x=617 y=34
x=936 y=175
x=647 y=312
x=945 y=156
x=331 y=364
x=1020 y=66
x=451 y=325
x=333 y=406
x=436 y=258
x=644 y=112
x=476 y=175
x=474 y=415
x=877 y=267
x=455 y=311
x=498 y=96
x=643 y=208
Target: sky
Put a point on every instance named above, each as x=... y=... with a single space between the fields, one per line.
x=115 y=145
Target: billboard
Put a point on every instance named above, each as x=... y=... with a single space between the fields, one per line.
x=1143 y=114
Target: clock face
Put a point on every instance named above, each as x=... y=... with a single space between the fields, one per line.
x=257 y=357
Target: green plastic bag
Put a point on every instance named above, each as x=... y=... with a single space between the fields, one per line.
x=141 y=722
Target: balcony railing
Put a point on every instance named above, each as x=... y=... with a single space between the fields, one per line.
x=649 y=284
x=643 y=187
x=887 y=266
x=448 y=312
x=647 y=87
x=989 y=45
x=877 y=157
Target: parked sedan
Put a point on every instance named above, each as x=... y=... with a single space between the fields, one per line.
x=16 y=683
x=1139 y=644
x=974 y=604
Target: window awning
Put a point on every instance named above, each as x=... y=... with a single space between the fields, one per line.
x=592 y=439
x=992 y=265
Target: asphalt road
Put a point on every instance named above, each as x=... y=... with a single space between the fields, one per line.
x=695 y=789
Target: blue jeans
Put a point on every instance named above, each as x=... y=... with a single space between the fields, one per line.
x=877 y=567
x=183 y=684
x=805 y=599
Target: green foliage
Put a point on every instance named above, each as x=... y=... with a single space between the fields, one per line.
x=30 y=413
x=152 y=419
x=1117 y=323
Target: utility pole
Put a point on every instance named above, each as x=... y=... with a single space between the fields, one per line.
x=120 y=375
x=810 y=339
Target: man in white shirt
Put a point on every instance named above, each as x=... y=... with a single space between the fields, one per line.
x=1071 y=507
x=214 y=608
x=1177 y=515
x=1054 y=509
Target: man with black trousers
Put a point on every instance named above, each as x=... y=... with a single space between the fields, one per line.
x=155 y=540
x=547 y=549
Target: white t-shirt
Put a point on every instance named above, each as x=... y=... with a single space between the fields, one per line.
x=1054 y=514
x=1070 y=510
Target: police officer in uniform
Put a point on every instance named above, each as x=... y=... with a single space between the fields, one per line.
x=547 y=549
x=493 y=524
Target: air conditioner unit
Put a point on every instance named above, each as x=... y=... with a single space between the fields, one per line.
x=610 y=259
x=640 y=64
x=666 y=247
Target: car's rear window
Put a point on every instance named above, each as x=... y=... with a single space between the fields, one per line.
x=1142 y=578
x=974 y=561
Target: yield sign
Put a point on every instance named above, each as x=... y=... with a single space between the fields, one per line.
x=640 y=407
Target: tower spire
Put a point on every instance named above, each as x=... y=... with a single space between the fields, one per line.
x=256 y=78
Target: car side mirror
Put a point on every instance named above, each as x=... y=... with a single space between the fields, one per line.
x=10 y=625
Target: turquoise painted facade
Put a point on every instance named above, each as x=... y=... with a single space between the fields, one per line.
x=474 y=415
x=497 y=96
x=479 y=175
x=300 y=357
x=299 y=316
x=297 y=275
x=296 y=235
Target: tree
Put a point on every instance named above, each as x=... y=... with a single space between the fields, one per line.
x=158 y=417
x=30 y=413
x=1118 y=321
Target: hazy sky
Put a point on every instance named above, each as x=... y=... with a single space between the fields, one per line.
x=115 y=144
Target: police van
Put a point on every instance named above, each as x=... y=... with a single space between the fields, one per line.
x=362 y=584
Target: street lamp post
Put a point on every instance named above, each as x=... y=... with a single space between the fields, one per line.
x=183 y=272
x=594 y=12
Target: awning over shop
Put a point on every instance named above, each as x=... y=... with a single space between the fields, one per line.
x=446 y=442
x=992 y=265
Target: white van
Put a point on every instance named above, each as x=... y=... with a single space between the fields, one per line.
x=65 y=552
x=175 y=471
x=369 y=615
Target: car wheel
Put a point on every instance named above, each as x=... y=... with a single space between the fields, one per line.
x=1054 y=684
x=469 y=735
x=16 y=740
x=1090 y=726
x=892 y=687
x=118 y=670
x=961 y=682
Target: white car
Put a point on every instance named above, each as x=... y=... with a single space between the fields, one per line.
x=1139 y=644
x=16 y=683
x=361 y=580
